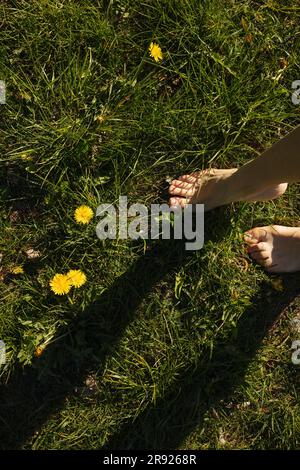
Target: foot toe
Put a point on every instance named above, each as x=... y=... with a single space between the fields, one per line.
x=263 y=260
x=181 y=188
x=257 y=247
x=188 y=178
x=177 y=201
x=256 y=235
x=184 y=191
x=260 y=256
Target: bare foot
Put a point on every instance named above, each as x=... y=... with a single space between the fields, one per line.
x=210 y=187
x=276 y=248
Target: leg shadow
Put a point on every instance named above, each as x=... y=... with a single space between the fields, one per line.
x=32 y=395
x=213 y=379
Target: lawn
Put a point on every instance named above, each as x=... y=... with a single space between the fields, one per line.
x=161 y=347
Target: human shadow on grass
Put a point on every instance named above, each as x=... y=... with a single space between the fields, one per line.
x=32 y=396
x=209 y=382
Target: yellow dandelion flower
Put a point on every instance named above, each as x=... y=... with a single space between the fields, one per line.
x=60 y=284
x=155 y=51
x=83 y=214
x=17 y=270
x=100 y=118
x=39 y=351
x=76 y=277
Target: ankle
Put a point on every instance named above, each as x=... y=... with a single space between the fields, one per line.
x=241 y=186
x=229 y=189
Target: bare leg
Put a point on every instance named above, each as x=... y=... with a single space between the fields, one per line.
x=276 y=248
x=260 y=179
x=280 y=163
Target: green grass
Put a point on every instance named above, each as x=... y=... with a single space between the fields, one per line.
x=160 y=348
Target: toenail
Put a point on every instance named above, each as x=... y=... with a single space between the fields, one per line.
x=247 y=235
